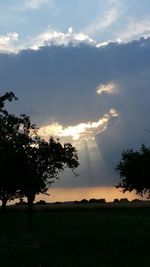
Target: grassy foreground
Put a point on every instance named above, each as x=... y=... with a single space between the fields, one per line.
x=77 y=237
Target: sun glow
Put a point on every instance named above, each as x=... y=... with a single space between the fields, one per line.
x=79 y=132
x=72 y=194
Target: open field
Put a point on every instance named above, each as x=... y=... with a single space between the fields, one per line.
x=77 y=235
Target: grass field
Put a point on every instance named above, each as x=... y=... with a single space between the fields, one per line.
x=76 y=237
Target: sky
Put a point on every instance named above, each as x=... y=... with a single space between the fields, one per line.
x=81 y=70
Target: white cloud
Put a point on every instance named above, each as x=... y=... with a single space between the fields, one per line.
x=51 y=37
x=26 y=5
x=135 y=29
x=7 y=42
x=118 y=41
x=35 y=4
x=105 y=19
x=103 y=22
x=108 y=88
x=82 y=131
x=11 y=43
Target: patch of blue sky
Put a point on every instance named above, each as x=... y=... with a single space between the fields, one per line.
x=101 y=20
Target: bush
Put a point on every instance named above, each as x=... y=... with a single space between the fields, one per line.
x=116 y=200
x=137 y=200
x=93 y=200
x=124 y=200
x=101 y=200
x=84 y=201
x=41 y=202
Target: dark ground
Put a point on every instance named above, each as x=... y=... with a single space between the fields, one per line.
x=76 y=236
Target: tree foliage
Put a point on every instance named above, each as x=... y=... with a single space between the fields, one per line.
x=134 y=171
x=9 y=125
x=41 y=163
x=28 y=163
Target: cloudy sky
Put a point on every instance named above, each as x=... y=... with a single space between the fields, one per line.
x=81 y=70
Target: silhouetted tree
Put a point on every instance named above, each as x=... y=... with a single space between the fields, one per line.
x=134 y=171
x=116 y=200
x=14 y=138
x=9 y=125
x=40 y=164
x=28 y=163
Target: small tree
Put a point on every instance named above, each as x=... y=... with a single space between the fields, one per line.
x=40 y=164
x=134 y=171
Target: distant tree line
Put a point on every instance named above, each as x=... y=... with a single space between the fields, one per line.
x=28 y=164
x=92 y=200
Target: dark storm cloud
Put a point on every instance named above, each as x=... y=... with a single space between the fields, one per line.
x=59 y=84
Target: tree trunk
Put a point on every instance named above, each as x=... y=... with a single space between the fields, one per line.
x=30 y=213
x=4 y=202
